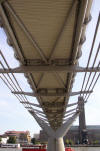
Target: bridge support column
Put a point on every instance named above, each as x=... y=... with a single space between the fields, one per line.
x=60 y=144
x=55 y=144
x=55 y=137
x=51 y=144
x=55 y=141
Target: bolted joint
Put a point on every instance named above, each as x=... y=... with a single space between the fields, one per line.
x=87 y=20
x=9 y=42
x=82 y=40
x=79 y=54
x=16 y=56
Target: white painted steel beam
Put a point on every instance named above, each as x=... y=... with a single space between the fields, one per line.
x=28 y=34
x=72 y=104
x=31 y=104
x=42 y=124
x=10 y=32
x=40 y=93
x=42 y=115
x=70 y=111
x=65 y=127
x=35 y=110
x=68 y=114
x=49 y=68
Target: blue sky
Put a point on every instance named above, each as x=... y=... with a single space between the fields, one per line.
x=13 y=116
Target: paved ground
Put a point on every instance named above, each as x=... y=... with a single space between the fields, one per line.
x=76 y=149
x=87 y=148
x=10 y=149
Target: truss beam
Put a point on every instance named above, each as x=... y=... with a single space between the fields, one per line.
x=54 y=104
x=10 y=32
x=70 y=111
x=57 y=92
x=42 y=115
x=31 y=104
x=72 y=104
x=34 y=110
x=69 y=114
x=49 y=68
x=28 y=34
x=56 y=61
x=57 y=111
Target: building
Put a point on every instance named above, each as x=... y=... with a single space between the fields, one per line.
x=81 y=134
x=22 y=137
x=73 y=134
x=93 y=132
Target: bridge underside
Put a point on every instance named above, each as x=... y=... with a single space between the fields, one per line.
x=47 y=37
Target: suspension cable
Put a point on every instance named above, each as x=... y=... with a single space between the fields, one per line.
x=94 y=38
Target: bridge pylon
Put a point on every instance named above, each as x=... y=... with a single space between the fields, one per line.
x=55 y=137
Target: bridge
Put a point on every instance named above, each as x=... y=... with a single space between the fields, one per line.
x=47 y=37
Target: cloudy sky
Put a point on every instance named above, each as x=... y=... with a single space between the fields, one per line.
x=13 y=116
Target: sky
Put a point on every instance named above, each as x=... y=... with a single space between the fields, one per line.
x=13 y=115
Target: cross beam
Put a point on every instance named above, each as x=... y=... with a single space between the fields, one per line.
x=53 y=104
x=34 y=110
x=49 y=68
x=69 y=114
x=72 y=104
x=57 y=104
x=31 y=104
x=56 y=111
x=70 y=111
x=56 y=61
x=56 y=93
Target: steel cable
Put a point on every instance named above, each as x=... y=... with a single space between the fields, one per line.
x=14 y=87
x=13 y=75
x=94 y=38
x=92 y=67
x=92 y=82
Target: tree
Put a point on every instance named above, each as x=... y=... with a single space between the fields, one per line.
x=33 y=140
x=12 y=140
x=96 y=142
x=71 y=142
x=37 y=142
x=67 y=141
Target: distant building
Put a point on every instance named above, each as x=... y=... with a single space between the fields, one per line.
x=82 y=133
x=73 y=134
x=93 y=132
x=22 y=137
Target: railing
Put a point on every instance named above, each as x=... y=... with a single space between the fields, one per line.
x=33 y=149
x=69 y=149
x=10 y=145
x=40 y=149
